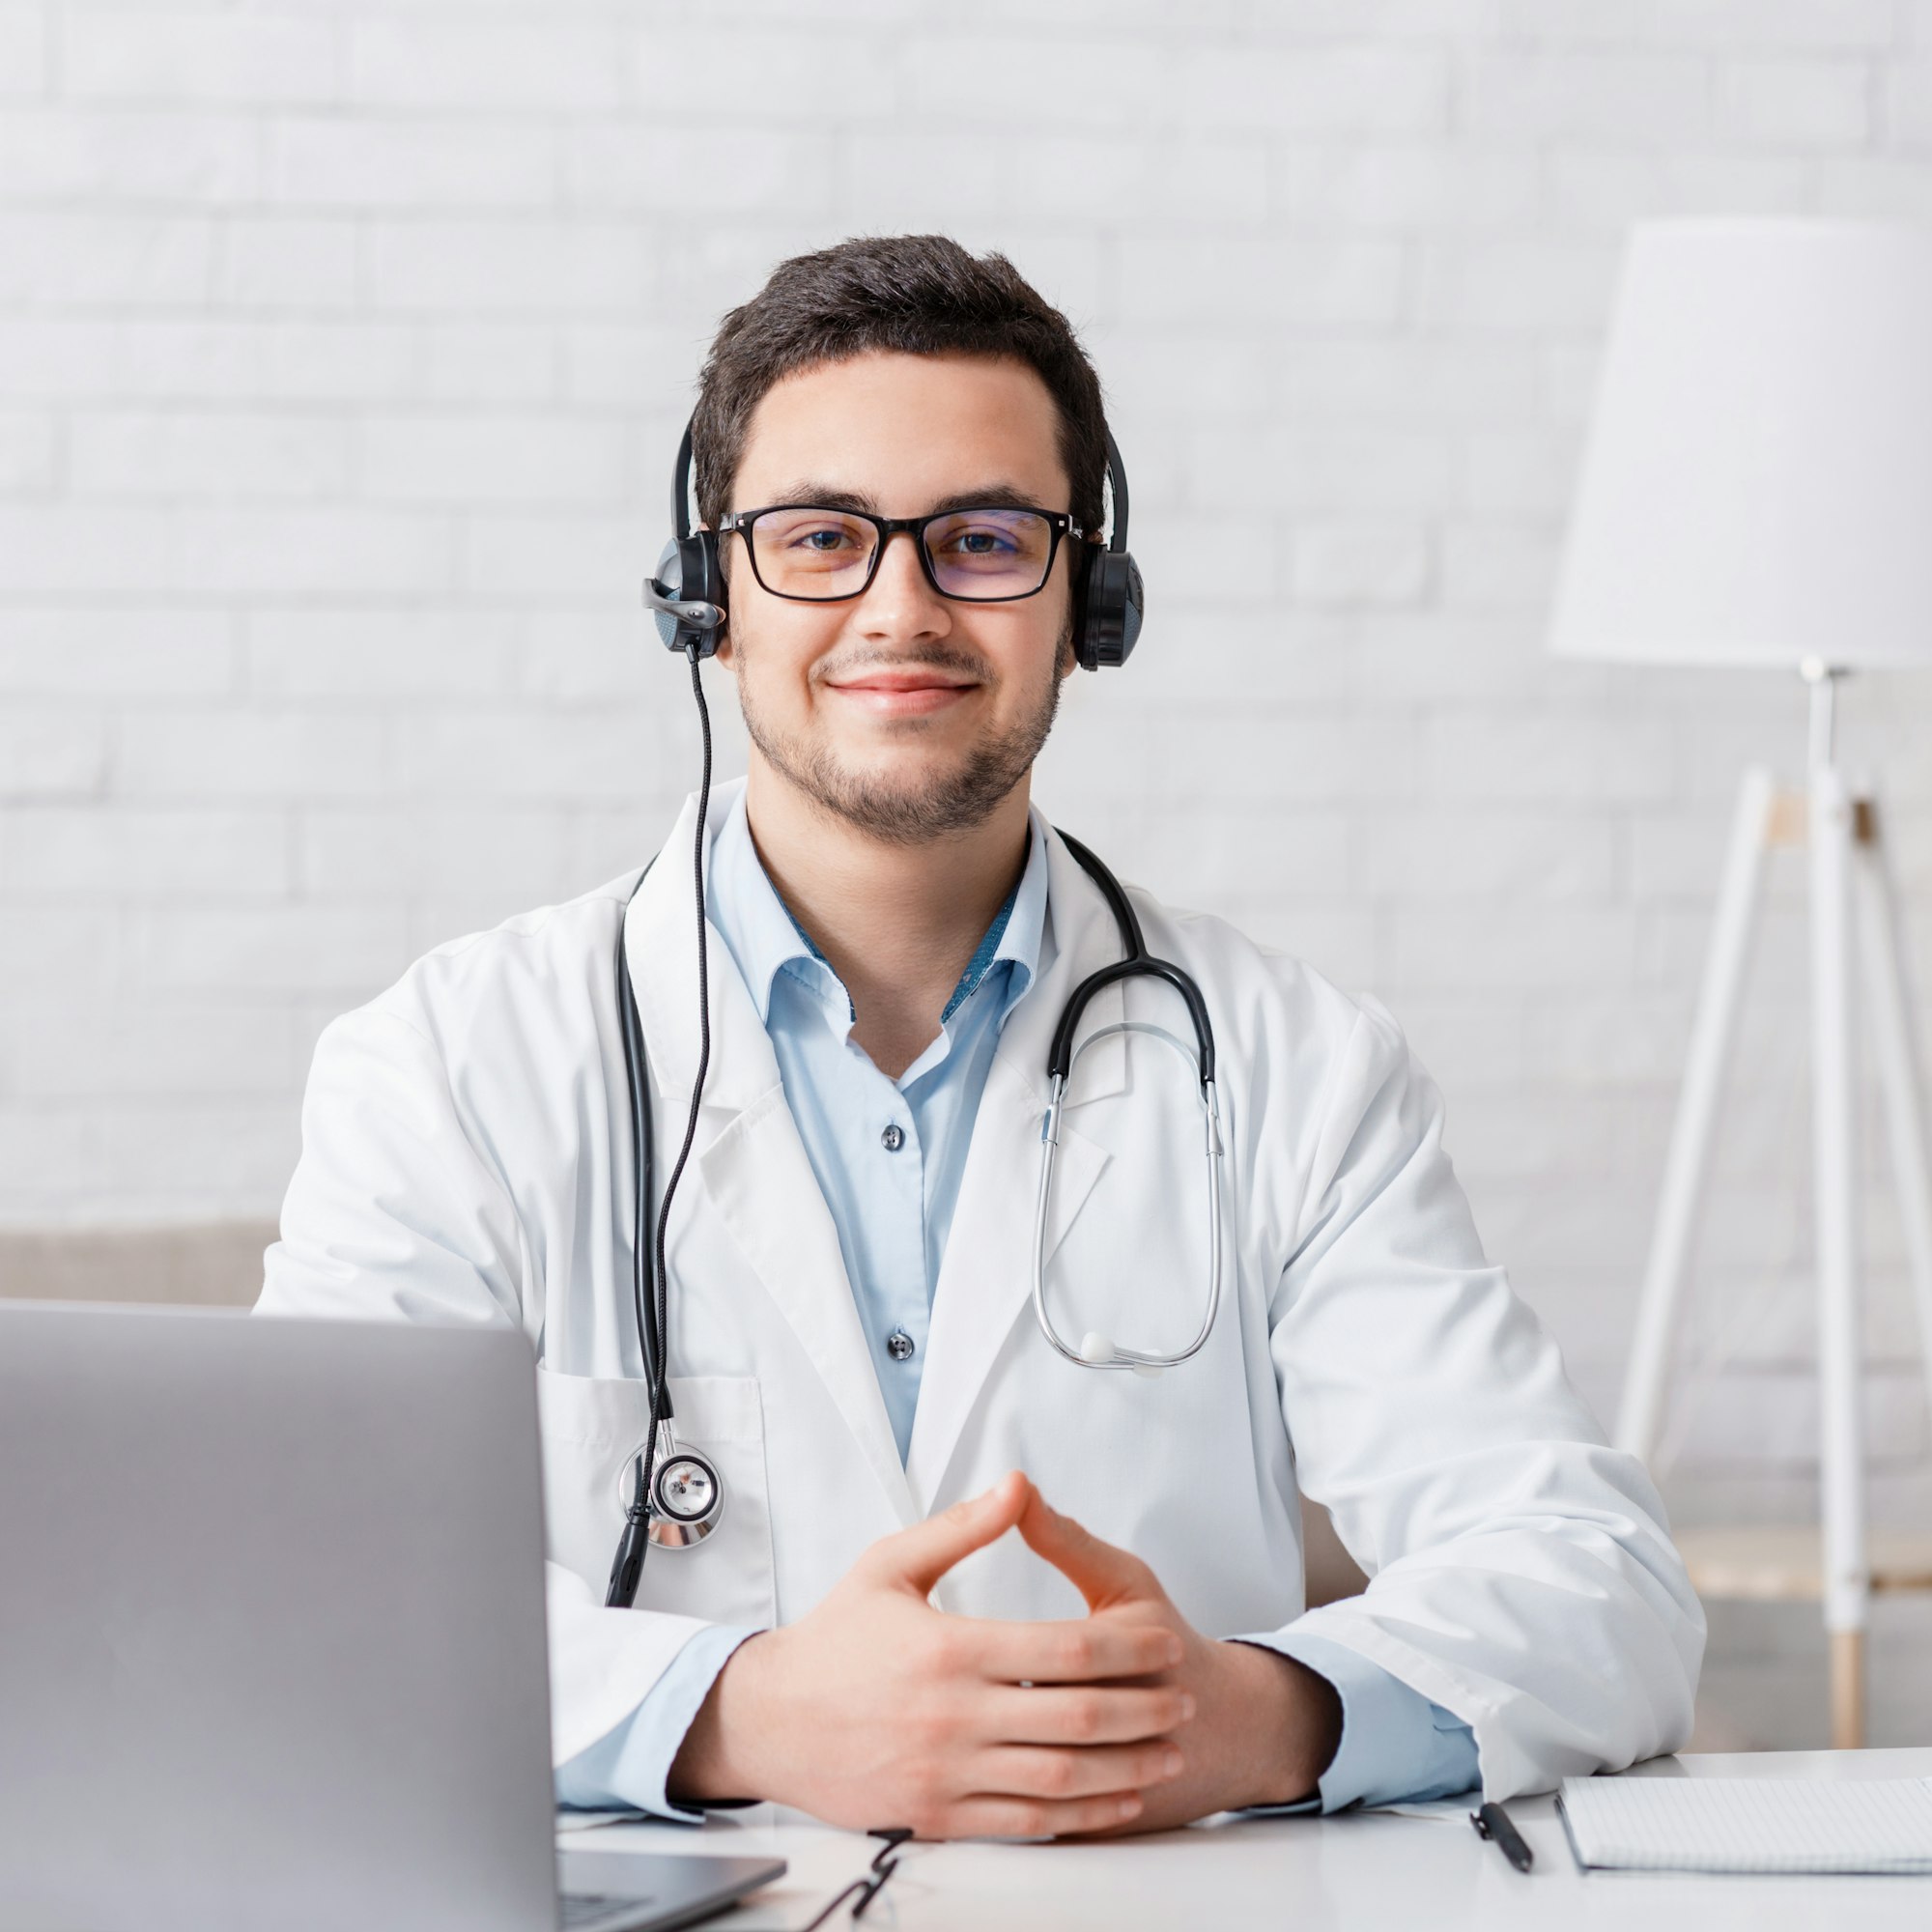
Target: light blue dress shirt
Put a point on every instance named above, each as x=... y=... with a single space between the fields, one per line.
x=888 y=1155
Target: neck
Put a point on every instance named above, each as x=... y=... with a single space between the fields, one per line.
x=898 y=924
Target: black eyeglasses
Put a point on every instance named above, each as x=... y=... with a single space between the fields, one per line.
x=868 y=1886
x=815 y=554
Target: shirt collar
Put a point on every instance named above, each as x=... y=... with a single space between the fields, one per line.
x=765 y=939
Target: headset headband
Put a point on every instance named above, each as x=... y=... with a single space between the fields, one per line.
x=680 y=482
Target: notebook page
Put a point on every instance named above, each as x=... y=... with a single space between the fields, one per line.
x=1750 y=1824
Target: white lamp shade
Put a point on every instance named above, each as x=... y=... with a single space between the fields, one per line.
x=1758 y=484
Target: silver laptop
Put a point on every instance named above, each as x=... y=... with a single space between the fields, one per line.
x=272 y=1634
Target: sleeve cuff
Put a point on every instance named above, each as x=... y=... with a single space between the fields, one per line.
x=629 y=1768
x=1397 y=1747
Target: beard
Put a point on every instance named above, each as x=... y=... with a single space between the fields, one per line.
x=928 y=804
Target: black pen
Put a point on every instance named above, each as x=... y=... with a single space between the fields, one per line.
x=1493 y=1823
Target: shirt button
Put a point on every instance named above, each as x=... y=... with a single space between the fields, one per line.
x=898 y=1343
x=892 y=1140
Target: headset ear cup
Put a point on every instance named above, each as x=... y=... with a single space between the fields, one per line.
x=1111 y=603
x=704 y=572
x=670 y=579
x=691 y=568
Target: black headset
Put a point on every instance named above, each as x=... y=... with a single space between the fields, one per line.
x=687 y=598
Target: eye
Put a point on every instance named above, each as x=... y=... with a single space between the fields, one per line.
x=979 y=538
x=812 y=535
x=991 y=544
x=982 y=543
x=825 y=538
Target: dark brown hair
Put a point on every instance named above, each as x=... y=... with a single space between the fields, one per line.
x=918 y=294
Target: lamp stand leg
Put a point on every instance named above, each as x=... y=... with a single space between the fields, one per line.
x=1711 y=1036
x=1899 y=1067
x=1841 y=1448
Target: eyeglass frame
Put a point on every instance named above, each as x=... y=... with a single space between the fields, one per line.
x=1060 y=522
x=872 y=1881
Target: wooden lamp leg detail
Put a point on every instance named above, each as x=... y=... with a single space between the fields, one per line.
x=1848 y=1690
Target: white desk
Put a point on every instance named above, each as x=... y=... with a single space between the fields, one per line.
x=1365 y=1871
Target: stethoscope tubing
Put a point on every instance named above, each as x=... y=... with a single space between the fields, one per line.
x=647 y=1524
x=1097 y=1352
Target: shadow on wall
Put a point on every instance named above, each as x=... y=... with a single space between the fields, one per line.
x=219 y=1264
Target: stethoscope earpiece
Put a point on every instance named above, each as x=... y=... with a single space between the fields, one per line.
x=1097 y=1352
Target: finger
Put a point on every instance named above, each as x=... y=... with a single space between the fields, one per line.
x=1035 y=1771
x=920 y=1556
x=1094 y=1714
x=1077 y=1651
x=1100 y=1571
x=994 y=1817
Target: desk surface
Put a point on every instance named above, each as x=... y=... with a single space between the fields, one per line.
x=1365 y=1870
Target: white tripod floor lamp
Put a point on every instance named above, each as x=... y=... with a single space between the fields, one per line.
x=1756 y=491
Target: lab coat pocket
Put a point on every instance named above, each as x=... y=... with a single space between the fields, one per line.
x=594 y=1425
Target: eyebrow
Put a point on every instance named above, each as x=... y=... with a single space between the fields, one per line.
x=824 y=496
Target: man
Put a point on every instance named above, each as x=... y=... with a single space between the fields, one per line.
x=893 y=932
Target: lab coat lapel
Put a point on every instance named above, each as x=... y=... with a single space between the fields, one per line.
x=985 y=1277
x=751 y=1162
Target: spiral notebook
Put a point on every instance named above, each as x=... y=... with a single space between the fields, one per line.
x=1750 y=1824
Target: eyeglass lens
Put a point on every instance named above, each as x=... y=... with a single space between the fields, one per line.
x=974 y=553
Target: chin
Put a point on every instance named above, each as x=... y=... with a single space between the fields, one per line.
x=907 y=779
x=909 y=783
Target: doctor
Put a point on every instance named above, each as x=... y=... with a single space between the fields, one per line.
x=852 y=1348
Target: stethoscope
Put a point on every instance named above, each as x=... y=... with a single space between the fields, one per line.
x=686 y=1496
x=671 y=1493
x=1098 y=1350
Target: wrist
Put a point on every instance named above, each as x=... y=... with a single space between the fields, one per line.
x=1297 y=1725
x=718 y=1757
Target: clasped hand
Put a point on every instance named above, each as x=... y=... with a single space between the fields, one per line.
x=877 y=1709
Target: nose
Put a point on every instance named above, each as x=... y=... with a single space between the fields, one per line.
x=900 y=601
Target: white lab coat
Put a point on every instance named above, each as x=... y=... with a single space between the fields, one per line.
x=466 y=1158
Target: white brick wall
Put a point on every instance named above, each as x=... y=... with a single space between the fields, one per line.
x=343 y=350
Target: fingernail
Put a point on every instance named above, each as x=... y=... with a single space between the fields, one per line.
x=1186 y=1706
x=1170 y=1764
x=1173 y=1650
x=1130 y=1807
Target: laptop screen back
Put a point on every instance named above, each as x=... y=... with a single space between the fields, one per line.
x=271 y=1625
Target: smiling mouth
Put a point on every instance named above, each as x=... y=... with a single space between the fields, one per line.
x=900 y=694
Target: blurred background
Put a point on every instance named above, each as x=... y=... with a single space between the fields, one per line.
x=344 y=350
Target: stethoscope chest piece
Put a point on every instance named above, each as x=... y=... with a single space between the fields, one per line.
x=686 y=1498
